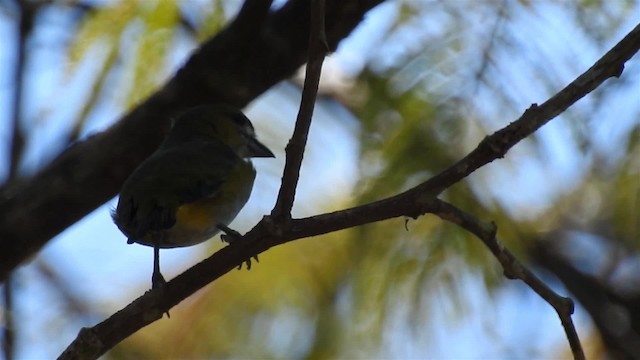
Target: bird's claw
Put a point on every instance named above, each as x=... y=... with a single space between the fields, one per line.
x=229 y=235
x=248 y=262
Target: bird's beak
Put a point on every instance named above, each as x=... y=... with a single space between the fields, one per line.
x=257 y=149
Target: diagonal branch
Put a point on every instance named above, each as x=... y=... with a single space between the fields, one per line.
x=496 y=145
x=94 y=341
x=513 y=269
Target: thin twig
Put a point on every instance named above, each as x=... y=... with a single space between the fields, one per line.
x=318 y=48
x=487 y=50
x=513 y=269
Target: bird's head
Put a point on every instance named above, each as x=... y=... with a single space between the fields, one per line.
x=219 y=122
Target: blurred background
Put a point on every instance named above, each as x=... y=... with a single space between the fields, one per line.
x=415 y=87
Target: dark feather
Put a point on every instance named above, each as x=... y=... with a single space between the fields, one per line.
x=170 y=177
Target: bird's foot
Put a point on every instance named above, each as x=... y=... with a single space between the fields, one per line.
x=248 y=262
x=231 y=236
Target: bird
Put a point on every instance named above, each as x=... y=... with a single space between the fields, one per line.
x=193 y=185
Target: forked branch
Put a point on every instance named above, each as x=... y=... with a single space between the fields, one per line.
x=422 y=199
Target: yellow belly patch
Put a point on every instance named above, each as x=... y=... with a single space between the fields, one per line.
x=198 y=221
x=195 y=216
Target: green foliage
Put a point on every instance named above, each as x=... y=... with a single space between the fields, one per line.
x=106 y=23
x=159 y=20
x=132 y=40
x=625 y=202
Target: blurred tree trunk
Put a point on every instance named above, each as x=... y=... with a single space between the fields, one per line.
x=256 y=51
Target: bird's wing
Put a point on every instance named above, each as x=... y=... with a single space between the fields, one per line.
x=169 y=178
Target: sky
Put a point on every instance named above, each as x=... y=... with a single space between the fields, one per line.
x=93 y=254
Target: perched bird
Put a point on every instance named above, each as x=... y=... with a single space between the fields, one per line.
x=193 y=185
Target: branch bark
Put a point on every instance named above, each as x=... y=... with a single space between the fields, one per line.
x=256 y=51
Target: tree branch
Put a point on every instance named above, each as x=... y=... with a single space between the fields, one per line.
x=513 y=269
x=497 y=145
x=92 y=342
x=295 y=148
